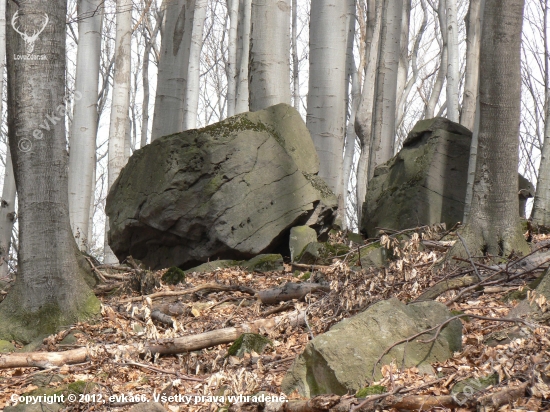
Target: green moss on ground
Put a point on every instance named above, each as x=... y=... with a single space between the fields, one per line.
x=173 y=276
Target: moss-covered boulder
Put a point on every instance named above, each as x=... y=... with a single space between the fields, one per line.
x=231 y=190
x=248 y=342
x=317 y=253
x=300 y=237
x=344 y=358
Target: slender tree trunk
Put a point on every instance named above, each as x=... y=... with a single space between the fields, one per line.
x=119 y=126
x=191 y=103
x=233 y=9
x=404 y=61
x=471 y=77
x=50 y=291
x=173 y=68
x=7 y=211
x=383 y=136
x=469 y=116
x=295 y=59
x=269 y=62
x=363 y=118
x=145 y=79
x=85 y=119
x=326 y=101
x=414 y=65
x=353 y=77
x=442 y=73
x=453 y=65
x=7 y=205
x=494 y=225
x=243 y=54
x=541 y=205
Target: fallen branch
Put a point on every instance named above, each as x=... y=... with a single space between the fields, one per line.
x=420 y=402
x=205 y=287
x=290 y=291
x=494 y=401
x=162 y=347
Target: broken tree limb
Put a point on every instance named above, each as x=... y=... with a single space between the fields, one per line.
x=205 y=287
x=290 y=291
x=494 y=401
x=161 y=347
x=420 y=402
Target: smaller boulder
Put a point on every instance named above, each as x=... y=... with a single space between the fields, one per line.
x=344 y=358
x=300 y=237
x=248 y=342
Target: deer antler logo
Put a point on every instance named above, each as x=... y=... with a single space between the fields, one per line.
x=29 y=39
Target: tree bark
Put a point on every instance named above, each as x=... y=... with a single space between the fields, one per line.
x=50 y=291
x=269 y=64
x=404 y=61
x=119 y=125
x=326 y=100
x=85 y=119
x=493 y=225
x=383 y=133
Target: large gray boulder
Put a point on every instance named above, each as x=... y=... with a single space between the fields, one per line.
x=230 y=190
x=424 y=183
x=343 y=359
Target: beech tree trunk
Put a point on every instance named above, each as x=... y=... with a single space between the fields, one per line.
x=269 y=62
x=471 y=76
x=383 y=131
x=231 y=69
x=50 y=291
x=493 y=225
x=469 y=116
x=191 y=101
x=326 y=101
x=243 y=54
x=541 y=205
x=119 y=126
x=7 y=205
x=363 y=118
x=173 y=68
x=84 y=125
x=442 y=72
x=453 y=67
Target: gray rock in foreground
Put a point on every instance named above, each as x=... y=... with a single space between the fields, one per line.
x=343 y=358
x=231 y=190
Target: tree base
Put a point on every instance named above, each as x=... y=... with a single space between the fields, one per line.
x=24 y=326
x=496 y=243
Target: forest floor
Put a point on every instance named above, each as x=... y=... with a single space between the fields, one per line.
x=100 y=381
